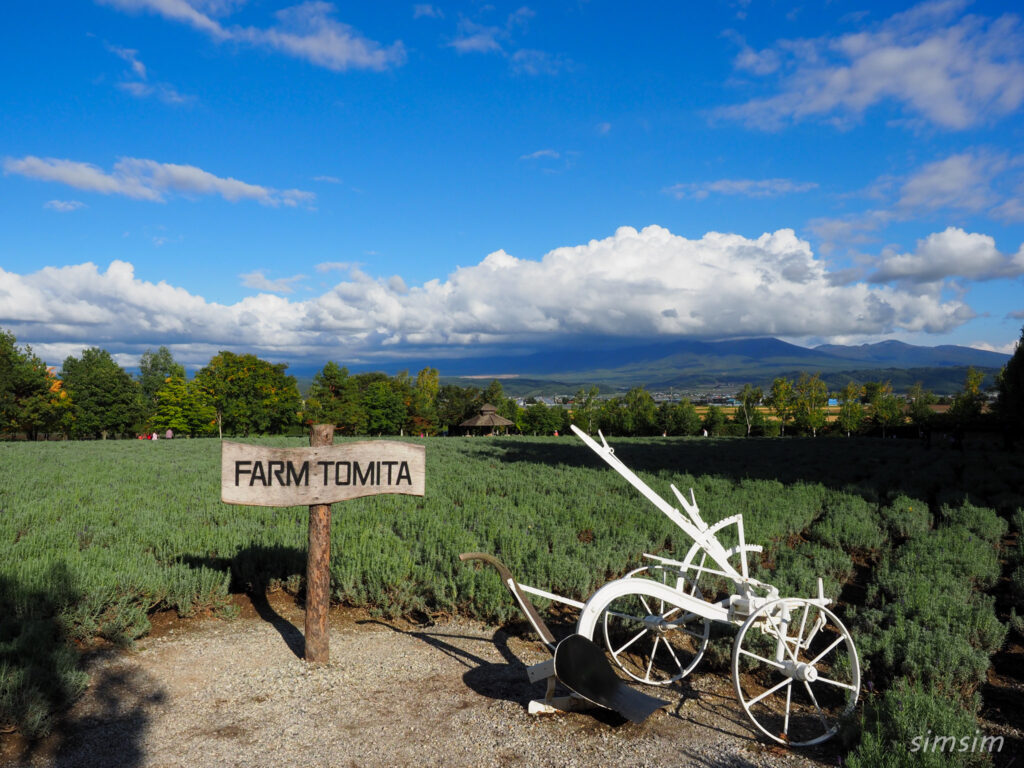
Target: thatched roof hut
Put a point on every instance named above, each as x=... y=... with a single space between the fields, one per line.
x=488 y=417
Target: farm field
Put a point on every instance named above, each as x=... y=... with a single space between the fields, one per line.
x=917 y=544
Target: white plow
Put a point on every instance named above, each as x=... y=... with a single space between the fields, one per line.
x=794 y=664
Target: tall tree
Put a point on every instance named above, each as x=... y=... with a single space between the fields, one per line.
x=714 y=420
x=24 y=387
x=967 y=403
x=334 y=398
x=423 y=409
x=921 y=401
x=155 y=368
x=184 y=408
x=780 y=399
x=385 y=408
x=749 y=398
x=640 y=411
x=105 y=399
x=249 y=395
x=851 y=409
x=1010 y=384
x=810 y=398
x=455 y=405
x=584 y=408
x=886 y=408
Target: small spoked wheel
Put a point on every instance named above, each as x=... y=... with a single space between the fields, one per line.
x=796 y=672
x=651 y=638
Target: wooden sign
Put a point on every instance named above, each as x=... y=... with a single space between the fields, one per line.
x=318 y=476
x=290 y=477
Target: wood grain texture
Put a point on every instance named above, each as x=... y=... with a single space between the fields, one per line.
x=284 y=477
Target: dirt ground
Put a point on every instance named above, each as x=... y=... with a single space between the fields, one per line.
x=212 y=692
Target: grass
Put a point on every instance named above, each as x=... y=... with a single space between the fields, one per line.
x=95 y=536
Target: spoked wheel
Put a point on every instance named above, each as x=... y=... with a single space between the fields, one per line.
x=651 y=638
x=796 y=672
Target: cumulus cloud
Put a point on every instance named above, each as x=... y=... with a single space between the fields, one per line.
x=950 y=253
x=937 y=64
x=149 y=180
x=634 y=284
x=743 y=187
x=305 y=31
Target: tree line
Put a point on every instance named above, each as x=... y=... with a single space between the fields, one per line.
x=233 y=394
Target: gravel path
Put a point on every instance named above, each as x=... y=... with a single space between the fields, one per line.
x=235 y=693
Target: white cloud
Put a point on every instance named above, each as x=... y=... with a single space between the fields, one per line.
x=541 y=153
x=176 y=10
x=962 y=181
x=331 y=266
x=949 y=254
x=950 y=69
x=261 y=282
x=476 y=38
x=149 y=180
x=131 y=56
x=305 y=31
x=528 y=61
x=327 y=179
x=634 y=284
x=137 y=83
x=425 y=10
x=64 y=206
x=1006 y=349
x=974 y=181
x=743 y=187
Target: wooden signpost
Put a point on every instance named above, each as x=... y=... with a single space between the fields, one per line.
x=319 y=476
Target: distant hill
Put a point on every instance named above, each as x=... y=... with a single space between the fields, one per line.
x=693 y=364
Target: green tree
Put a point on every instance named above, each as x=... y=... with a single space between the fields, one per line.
x=640 y=412
x=886 y=408
x=184 y=408
x=714 y=420
x=155 y=368
x=455 y=404
x=1010 y=385
x=384 y=404
x=423 y=408
x=249 y=395
x=105 y=399
x=749 y=398
x=25 y=388
x=921 y=401
x=685 y=418
x=781 y=400
x=967 y=403
x=810 y=398
x=611 y=417
x=541 y=419
x=585 y=408
x=851 y=409
x=334 y=398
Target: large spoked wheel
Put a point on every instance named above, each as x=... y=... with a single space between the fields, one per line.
x=651 y=638
x=796 y=672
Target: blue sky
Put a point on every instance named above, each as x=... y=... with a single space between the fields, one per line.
x=372 y=181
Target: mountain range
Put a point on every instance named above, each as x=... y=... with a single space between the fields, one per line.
x=692 y=364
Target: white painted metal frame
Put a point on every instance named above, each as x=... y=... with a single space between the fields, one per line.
x=753 y=606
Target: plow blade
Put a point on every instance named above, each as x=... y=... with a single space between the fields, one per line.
x=582 y=667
